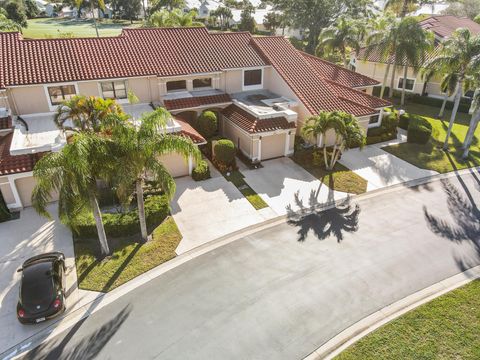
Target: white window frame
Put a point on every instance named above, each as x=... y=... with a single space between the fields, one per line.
x=46 y=86
x=253 y=87
x=401 y=88
x=202 y=88
x=119 y=101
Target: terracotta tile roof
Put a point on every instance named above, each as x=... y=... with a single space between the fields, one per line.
x=444 y=25
x=358 y=96
x=311 y=89
x=196 y=101
x=375 y=56
x=10 y=164
x=136 y=52
x=252 y=125
x=5 y=123
x=331 y=71
x=189 y=131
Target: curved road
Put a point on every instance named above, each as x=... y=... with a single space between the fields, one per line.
x=271 y=296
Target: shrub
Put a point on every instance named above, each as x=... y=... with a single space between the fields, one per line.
x=123 y=224
x=4 y=212
x=376 y=131
x=404 y=120
x=224 y=152
x=419 y=130
x=207 y=124
x=390 y=121
x=374 y=139
x=201 y=171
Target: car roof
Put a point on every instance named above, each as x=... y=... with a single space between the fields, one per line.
x=38 y=271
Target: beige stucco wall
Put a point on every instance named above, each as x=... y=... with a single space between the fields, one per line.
x=88 y=88
x=232 y=81
x=176 y=164
x=240 y=139
x=141 y=88
x=6 y=191
x=28 y=100
x=377 y=72
x=25 y=187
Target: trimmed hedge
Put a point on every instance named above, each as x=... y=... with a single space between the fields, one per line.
x=419 y=130
x=207 y=124
x=201 y=171
x=224 y=152
x=404 y=120
x=123 y=224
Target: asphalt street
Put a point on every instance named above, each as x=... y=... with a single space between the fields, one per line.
x=283 y=292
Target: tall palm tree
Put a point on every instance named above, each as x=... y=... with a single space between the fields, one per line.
x=73 y=173
x=138 y=156
x=473 y=123
x=99 y=3
x=174 y=18
x=82 y=113
x=412 y=46
x=347 y=133
x=447 y=86
x=382 y=40
x=403 y=7
x=343 y=35
x=459 y=55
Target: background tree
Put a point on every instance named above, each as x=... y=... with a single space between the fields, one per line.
x=73 y=173
x=411 y=48
x=342 y=36
x=403 y=7
x=468 y=8
x=272 y=21
x=382 y=40
x=247 y=22
x=458 y=56
x=6 y=24
x=174 y=18
x=15 y=11
x=138 y=158
x=92 y=4
x=130 y=9
x=167 y=4
x=224 y=14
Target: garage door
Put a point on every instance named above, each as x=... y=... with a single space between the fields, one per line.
x=175 y=164
x=273 y=146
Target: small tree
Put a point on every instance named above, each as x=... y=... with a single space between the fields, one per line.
x=247 y=22
x=207 y=124
x=224 y=152
x=348 y=133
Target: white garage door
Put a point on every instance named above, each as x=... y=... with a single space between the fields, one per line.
x=273 y=146
x=175 y=164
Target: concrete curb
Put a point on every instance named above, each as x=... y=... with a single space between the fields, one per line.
x=379 y=318
x=70 y=319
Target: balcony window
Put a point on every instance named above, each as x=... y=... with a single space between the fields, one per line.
x=252 y=77
x=202 y=83
x=114 y=90
x=180 y=85
x=59 y=94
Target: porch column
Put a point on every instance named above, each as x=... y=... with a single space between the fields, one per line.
x=287 y=143
x=380 y=117
x=260 y=148
x=16 y=195
x=190 y=165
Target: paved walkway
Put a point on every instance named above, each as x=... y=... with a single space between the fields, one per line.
x=281 y=179
x=381 y=168
x=20 y=239
x=270 y=296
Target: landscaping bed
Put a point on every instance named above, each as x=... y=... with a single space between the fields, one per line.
x=430 y=156
x=238 y=179
x=339 y=179
x=445 y=328
x=128 y=260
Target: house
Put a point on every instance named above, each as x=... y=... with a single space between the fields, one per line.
x=262 y=89
x=442 y=26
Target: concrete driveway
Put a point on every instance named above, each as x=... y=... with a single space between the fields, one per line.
x=381 y=168
x=23 y=238
x=281 y=179
x=207 y=210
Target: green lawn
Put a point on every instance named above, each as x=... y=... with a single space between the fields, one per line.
x=445 y=328
x=340 y=179
x=430 y=156
x=58 y=27
x=128 y=260
x=237 y=178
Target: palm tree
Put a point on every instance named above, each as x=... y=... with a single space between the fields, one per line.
x=348 y=133
x=73 y=173
x=138 y=156
x=447 y=86
x=100 y=4
x=345 y=34
x=174 y=18
x=82 y=113
x=224 y=14
x=412 y=46
x=382 y=40
x=473 y=123
x=459 y=56
x=403 y=7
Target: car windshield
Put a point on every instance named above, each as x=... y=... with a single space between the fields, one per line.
x=37 y=284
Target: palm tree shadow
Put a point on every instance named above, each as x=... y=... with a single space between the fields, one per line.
x=87 y=348
x=334 y=221
x=465 y=226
